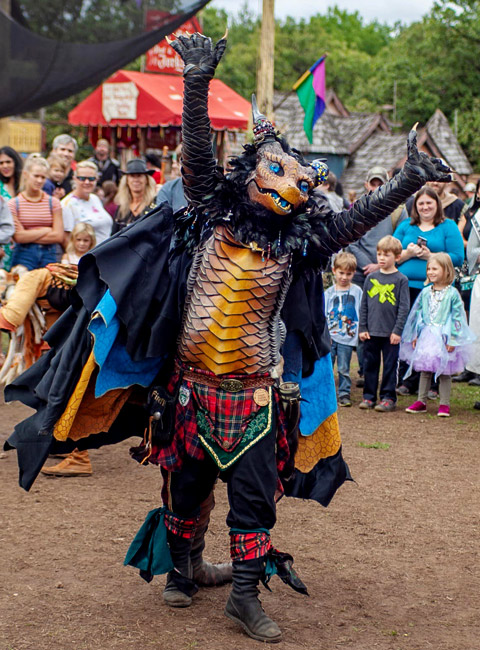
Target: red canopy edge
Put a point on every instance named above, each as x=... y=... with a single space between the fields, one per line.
x=159 y=104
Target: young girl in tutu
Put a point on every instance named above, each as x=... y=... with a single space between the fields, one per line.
x=436 y=338
x=82 y=240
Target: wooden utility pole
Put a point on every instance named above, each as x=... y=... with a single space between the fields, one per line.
x=266 y=63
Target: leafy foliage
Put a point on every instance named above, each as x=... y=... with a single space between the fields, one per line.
x=434 y=63
x=88 y=21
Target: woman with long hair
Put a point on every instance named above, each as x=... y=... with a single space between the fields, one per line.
x=11 y=166
x=136 y=194
x=427 y=232
x=37 y=218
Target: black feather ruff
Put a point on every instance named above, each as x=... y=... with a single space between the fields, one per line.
x=298 y=232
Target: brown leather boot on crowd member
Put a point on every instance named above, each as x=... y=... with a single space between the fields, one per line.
x=75 y=464
x=206 y=574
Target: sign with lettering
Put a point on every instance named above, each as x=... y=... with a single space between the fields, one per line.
x=162 y=57
x=119 y=101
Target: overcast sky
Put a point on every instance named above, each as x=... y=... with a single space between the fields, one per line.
x=382 y=10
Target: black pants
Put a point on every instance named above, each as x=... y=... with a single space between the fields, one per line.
x=251 y=482
x=374 y=349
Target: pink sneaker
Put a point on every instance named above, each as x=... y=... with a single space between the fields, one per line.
x=443 y=411
x=417 y=407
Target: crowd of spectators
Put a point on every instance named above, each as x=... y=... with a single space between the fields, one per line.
x=55 y=209
x=426 y=240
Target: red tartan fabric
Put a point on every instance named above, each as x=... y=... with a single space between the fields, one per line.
x=228 y=414
x=182 y=527
x=186 y=441
x=249 y=546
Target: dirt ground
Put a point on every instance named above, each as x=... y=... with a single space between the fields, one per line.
x=391 y=564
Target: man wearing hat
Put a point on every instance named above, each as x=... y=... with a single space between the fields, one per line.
x=109 y=168
x=365 y=249
x=469 y=190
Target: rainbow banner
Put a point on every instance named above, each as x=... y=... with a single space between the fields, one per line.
x=310 y=89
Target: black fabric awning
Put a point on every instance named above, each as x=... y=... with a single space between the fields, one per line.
x=36 y=71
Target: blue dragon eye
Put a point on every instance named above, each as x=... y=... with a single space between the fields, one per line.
x=304 y=187
x=275 y=167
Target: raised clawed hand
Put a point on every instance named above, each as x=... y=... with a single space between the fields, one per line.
x=199 y=54
x=430 y=169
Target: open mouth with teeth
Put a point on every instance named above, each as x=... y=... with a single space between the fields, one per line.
x=279 y=201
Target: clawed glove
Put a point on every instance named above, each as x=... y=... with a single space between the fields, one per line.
x=198 y=53
x=429 y=169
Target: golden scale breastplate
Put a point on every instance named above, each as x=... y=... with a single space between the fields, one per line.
x=231 y=322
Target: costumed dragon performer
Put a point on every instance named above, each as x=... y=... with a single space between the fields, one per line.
x=190 y=309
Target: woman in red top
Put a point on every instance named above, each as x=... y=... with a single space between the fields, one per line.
x=37 y=218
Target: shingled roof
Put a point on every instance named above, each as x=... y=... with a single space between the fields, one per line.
x=332 y=134
x=444 y=139
x=364 y=139
x=381 y=148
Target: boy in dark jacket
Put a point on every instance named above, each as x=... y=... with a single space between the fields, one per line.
x=383 y=312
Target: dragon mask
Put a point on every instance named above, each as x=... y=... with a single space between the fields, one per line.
x=281 y=181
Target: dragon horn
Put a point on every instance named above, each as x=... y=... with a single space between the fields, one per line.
x=256 y=115
x=263 y=129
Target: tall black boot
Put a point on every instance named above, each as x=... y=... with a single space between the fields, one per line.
x=180 y=586
x=243 y=605
x=206 y=574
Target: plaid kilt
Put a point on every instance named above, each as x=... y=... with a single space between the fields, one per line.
x=228 y=415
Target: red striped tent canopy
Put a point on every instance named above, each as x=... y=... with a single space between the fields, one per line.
x=159 y=103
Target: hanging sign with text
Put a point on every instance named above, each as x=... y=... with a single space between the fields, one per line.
x=119 y=101
x=162 y=57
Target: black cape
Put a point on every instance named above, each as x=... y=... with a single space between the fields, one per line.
x=147 y=277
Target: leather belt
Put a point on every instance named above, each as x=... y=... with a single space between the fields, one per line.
x=228 y=384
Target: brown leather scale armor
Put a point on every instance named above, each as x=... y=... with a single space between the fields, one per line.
x=231 y=322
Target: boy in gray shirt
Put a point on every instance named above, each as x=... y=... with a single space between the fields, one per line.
x=383 y=312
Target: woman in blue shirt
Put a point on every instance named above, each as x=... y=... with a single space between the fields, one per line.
x=427 y=232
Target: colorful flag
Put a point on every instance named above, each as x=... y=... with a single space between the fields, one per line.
x=311 y=93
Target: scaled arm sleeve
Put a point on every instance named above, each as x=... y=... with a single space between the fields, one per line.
x=201 y=58
x=337 y=230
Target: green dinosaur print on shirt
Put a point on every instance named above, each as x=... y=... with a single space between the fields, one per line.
x=384 y=292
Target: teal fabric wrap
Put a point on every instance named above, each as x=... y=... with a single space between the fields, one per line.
x=116 y=367
x=149 y=551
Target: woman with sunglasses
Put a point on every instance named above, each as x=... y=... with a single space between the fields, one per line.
x=82 y=205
